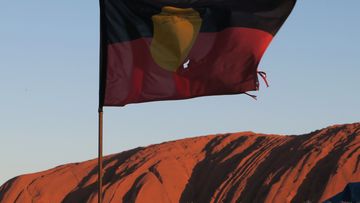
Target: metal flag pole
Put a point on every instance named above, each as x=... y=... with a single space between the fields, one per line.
x=100 y=155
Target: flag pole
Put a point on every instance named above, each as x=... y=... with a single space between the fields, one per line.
x=100 y=155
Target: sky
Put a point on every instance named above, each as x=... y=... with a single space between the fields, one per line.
x=49 y=53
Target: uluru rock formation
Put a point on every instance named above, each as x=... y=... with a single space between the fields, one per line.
x=240 y=167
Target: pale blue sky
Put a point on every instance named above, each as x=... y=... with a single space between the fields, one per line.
x=49 y=85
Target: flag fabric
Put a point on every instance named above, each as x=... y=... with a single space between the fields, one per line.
x=155 y=50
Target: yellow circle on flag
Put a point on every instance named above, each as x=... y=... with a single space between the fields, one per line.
x=175 y=31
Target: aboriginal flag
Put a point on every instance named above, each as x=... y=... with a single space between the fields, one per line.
x=155 y=50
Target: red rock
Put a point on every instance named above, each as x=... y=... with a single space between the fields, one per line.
x=240 y=167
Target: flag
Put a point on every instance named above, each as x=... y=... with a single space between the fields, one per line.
x=153 y=50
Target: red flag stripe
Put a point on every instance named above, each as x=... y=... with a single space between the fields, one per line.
x=219 y=63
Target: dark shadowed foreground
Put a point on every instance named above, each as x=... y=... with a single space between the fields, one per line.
x=240 y=167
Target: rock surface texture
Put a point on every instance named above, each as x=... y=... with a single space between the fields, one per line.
x=240 y=167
